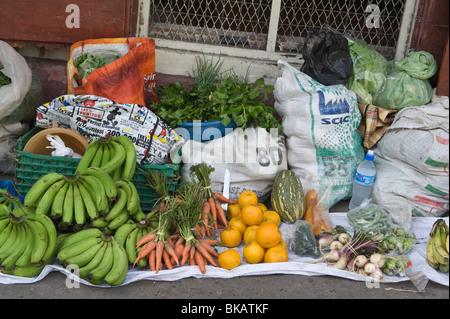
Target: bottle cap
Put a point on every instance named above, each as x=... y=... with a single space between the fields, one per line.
x=369 y=155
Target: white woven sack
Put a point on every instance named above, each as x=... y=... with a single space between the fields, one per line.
x=253 y=157
x=320 y=123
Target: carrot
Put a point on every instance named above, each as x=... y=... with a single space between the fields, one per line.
x=221 y=214
x=185 y=254
x=179 y=250
x=224 y=199
x=159 y=253
x=210 y=250
x=201 y=248
x=171 y=252
x=180 y=241
x=145 y=239
x=200 y=262
x=166 y=259
x=209 y=241
x=191 y=254
x=213 y=211
x=145 y=250
x=152 y=260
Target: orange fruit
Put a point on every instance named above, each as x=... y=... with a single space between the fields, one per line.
x=268 y=235
x=251 y=214
x=230 y=236
x=247 y=197
x=271 y=216
x=233 y=210
x=229 y=259
x=238 y=223
x=250 y=233
x=262 y=206
x=253 y=252
x=281 y=244
x=275 y=255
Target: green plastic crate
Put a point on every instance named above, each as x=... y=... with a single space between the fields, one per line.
x=29 y=167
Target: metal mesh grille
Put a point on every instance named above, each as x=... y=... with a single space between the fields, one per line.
x=349 y=17
x=245 y=23
x=241 y=23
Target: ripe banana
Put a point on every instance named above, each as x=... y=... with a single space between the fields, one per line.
x=119 y=269
x=437 y=254
x=39 y=188
x=129 y=165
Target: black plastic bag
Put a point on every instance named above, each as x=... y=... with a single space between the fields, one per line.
x=327 y=56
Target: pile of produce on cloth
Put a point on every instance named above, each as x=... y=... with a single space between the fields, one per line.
x=91 y=225
x=188 y=233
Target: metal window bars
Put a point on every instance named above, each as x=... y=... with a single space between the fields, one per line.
x=281 y=25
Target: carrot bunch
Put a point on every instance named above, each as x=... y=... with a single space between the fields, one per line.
x=155 y=245
x=213 y=213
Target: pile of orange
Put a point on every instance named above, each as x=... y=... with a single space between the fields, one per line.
x=251 y=222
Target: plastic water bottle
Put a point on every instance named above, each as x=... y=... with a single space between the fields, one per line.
x=364 y=179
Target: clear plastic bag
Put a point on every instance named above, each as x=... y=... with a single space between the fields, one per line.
x=369 y=217
x=300 y=239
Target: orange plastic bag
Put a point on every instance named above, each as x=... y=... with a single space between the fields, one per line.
x=128 y=80
x=316 y=214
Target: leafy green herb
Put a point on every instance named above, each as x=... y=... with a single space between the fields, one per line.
x=216 y=96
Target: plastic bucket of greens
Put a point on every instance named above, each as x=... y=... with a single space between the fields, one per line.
x=204 y=131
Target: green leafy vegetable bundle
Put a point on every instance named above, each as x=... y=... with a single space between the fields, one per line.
x=215 y=96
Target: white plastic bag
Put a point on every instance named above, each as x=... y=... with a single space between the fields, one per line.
x=253 y=157
x=320 y=123
x=16 y=68
x=60 y=148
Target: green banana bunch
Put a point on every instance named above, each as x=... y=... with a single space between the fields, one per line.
x=128 y=234
x=74 y=200
x=125 y=208
x=7 y=199
x=99 y=257
x=27 y=242
x=437 y=254
x=114 y=154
